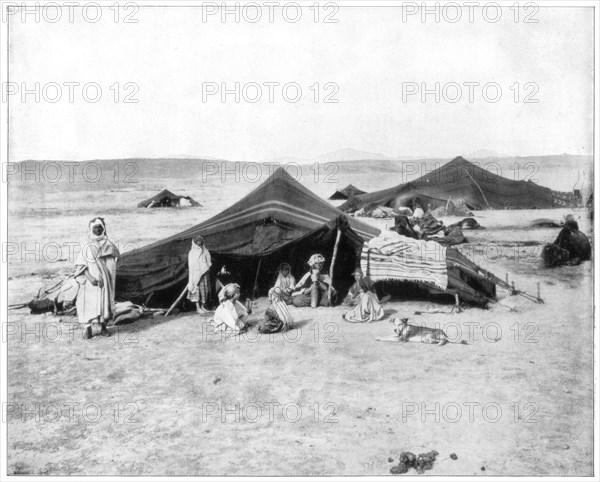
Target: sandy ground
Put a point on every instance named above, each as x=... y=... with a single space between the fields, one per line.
x=167 y=396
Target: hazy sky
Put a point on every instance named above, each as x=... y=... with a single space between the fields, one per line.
x=369 y=56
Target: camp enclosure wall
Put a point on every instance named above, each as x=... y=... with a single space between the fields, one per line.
x=280 y=221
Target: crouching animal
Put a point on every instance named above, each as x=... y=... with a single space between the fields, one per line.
x=407 y=332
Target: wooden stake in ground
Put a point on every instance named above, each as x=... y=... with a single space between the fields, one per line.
x=177 y=301
x=314 y=290
x=335 y=250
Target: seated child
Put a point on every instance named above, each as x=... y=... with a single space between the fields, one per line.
x=278 y=316
x=368 y=308
x=285 y=282
x=231 y=316
x=353 y=296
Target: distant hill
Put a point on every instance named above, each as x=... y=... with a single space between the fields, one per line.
x=483 y=154
x=560 y=172
x=341 y=155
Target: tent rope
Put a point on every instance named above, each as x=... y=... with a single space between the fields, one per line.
x=480 y=190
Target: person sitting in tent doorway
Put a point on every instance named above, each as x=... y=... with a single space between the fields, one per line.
x=353 y=296
x=368 y=308
x=96 y=270
x=285 y=282
x=231 y=316
x=418 y=212
x=199 y=263
x=277 y=316
x=302 y=297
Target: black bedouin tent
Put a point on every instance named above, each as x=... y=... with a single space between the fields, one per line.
x=346 y=193
x=166 y=199
x=458 y=179
x=280 y=221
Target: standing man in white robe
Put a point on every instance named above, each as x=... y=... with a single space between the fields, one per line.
x=96 y=270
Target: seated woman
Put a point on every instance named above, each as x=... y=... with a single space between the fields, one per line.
x=278 y=316
x=231 y=316
x=353 y=296
x=368 y=308
x=302 y=297
x=285 y=282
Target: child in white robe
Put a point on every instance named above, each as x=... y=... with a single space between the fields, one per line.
x=231 y=316
x=368 y=308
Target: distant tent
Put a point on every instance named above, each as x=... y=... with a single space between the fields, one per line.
x=459 y=178
x=166 y=199
x=346 y=193
x=280 y=220
x=567 y=199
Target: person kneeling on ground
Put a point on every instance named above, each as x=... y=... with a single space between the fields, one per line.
x=278 y=316
x=353 y=296
x=285 y=282
x=302 y=297
x=231 y=316
x=368 y=308
x=199 y=263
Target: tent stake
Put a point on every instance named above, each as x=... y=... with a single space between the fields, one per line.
x=335 y=250
x=457 y=303
x=177 y=301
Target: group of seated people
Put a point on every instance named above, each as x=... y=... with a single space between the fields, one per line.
x=426 y=227
x=231 y=316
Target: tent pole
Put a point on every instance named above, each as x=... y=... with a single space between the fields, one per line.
x=254 y=287
x=335 y=250
x=448 y=204
x=177 y=301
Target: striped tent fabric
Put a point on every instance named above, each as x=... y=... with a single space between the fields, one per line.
x=437 y=269
x=391 y=256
